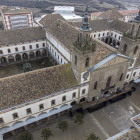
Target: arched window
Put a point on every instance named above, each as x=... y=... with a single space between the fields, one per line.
x=108 y=82
x=127 y=76
x=98 y=35
x=23 y=48
x=16 y=49
x=108 y=33
x=55 y=53
x=95 y=35
x=63 y=98
x=124 y=48
x=75 y=60
x=61 y=60
x=95 y=85
x=121 y=77
x=87 y=62
x=52 y=102
x=135 y=50
x=103 y=34
x=134 y=74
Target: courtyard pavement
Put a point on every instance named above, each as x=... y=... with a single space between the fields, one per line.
x=15 y=69
x=105 y=122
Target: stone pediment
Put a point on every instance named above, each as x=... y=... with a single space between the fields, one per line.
x=114 y=61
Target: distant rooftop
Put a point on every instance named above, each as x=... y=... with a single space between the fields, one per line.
x=16 y=10
x=66 y=8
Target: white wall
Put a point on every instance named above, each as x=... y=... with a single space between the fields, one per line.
x=8 y=118
x=59 y=47
x=20 y=47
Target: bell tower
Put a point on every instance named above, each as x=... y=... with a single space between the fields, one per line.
x=130 y=42
x=83 y=52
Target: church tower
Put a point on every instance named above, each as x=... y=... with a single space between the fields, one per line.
x=130 y=42
x=83 y=52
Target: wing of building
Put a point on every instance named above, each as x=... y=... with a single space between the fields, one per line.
x=92 y=60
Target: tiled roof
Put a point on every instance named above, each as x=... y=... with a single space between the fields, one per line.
x=121 y=26
x=50 y=19
x=64 y=32
x=26 y=87
x=129 y=12
x=102 y=24
x=96 y=25
x=96 y=13
x=21 y=35
x=111 y=14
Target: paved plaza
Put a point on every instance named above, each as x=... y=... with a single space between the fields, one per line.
x=105 y=122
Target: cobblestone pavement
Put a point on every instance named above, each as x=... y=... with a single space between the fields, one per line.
x=105 y=122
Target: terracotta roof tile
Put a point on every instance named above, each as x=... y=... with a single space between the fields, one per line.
x=111 y=14
x=26 y=87
x=21 y=35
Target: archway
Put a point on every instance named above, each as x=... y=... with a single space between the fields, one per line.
x=31 y=55
x=106 y=41
x=38 y=54
x=114 y=43
x=102 y=39
x=3 y=61
x=18 y=57
x=131 y=81
x=11 y=59
x=118 y=43
x=73 y=103
x=106 y=93
x=82 y=100
x=44 y=52
x=25 y=56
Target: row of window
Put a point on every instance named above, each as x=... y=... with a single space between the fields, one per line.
x=134 y=74
x=107 y=35
x=23 y=48
x=108 y=82
x=125 y=48
x=55 y=54
x=86 y=63
x=41 y=106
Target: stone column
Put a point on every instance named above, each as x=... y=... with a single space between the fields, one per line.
x=48 y=118
x=68 y=110
x=13 y=132
x=1 y=137
x=59 y=114
x=14 y=59
x=35 y=54
x=108 y=40
x=7 y=61
x=26 y=127
x=37 y=123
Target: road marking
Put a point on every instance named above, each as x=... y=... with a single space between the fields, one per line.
x=99 y=125
x=134 y=105
x=121 y=117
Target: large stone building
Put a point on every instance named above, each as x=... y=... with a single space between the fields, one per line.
x=87 y=67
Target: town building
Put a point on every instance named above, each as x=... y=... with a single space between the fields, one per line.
x=67 y=13
x=91 y=62
x=17 y=18
x=128 y=15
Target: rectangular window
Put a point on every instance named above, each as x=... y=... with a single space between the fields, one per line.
x=53 y=102
x=1 y=52
x=43 y=44
x=23 y=48
x=37 y=46
x=41 y=106
x=9 y=51
x=83 y=91
x=16 y=49
x=30 y=46
x=28 y=111
x=15 y=116
x=74 y=95
x=1 y=120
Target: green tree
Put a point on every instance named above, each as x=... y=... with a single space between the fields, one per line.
x=92 y=136
x=79 y=119
x=25 y=136
x=63 y=125
x=46 y=133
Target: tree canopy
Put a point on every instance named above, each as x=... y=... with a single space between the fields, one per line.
x=46 y=133
x=25 y=136
x=63 y=125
